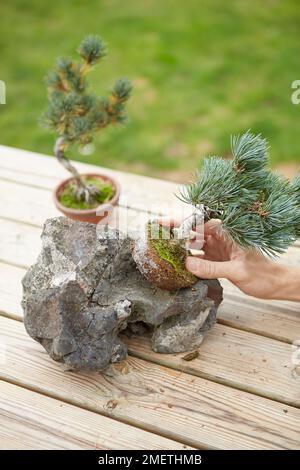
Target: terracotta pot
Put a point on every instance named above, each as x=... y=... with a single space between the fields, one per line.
x=88 y=215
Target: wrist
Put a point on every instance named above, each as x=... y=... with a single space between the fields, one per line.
x=286 y=283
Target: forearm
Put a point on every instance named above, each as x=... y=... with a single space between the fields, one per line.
x=287 y=283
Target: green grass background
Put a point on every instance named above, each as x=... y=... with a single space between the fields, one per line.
x=202 y=69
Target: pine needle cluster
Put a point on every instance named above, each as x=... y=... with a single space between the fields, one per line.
x=74 y=113
x=258 y=208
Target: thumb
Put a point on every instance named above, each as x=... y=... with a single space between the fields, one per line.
x=208 y=269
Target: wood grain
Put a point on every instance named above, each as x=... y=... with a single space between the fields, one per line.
x=11 y=290
x=32 y=206
x=31 y=421
x=43 y=171
x=20 y=243
x=242 y=360
x=176 y=405
x=272 y=318
x=176 y=401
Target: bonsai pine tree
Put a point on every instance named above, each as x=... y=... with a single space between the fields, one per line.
x=258 y=208
x=76 y=115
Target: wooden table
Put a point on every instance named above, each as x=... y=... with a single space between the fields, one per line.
x=238 y=394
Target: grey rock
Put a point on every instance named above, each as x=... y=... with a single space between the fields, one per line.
x=85 y=289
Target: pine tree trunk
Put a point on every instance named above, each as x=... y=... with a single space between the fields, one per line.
x=63 y=160
x=84 y=192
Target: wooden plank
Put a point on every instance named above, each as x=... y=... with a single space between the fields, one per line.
x=32 y=206
x=20 y=245
x=11 y=290
x=176 y=405
x=272 y=318
x=133 y=194
x=243 y=360
x=26 y=204
x=32 y=421
x=44 y=172
x=236 y=358
x=26 y=196
x=44 y=182
x=139 y=192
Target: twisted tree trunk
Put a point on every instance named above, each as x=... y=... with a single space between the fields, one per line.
x=84 y=192
x=64 y=161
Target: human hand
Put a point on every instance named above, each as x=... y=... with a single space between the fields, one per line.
x=249 y=270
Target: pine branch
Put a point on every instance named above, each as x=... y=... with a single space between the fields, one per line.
x=250 y=152
x=92 y=49
x=114 y=105
x=122 y=90
x=73 y=113
x=258 y=208
x=216 y=184
x=243 y=227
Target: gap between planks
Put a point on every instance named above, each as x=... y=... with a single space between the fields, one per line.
x=179 y=406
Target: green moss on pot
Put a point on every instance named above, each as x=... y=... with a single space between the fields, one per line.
x=68 y=195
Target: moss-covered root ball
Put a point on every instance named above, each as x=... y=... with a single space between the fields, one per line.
x=161 y=259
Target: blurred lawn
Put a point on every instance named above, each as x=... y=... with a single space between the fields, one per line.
x=202 y=69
